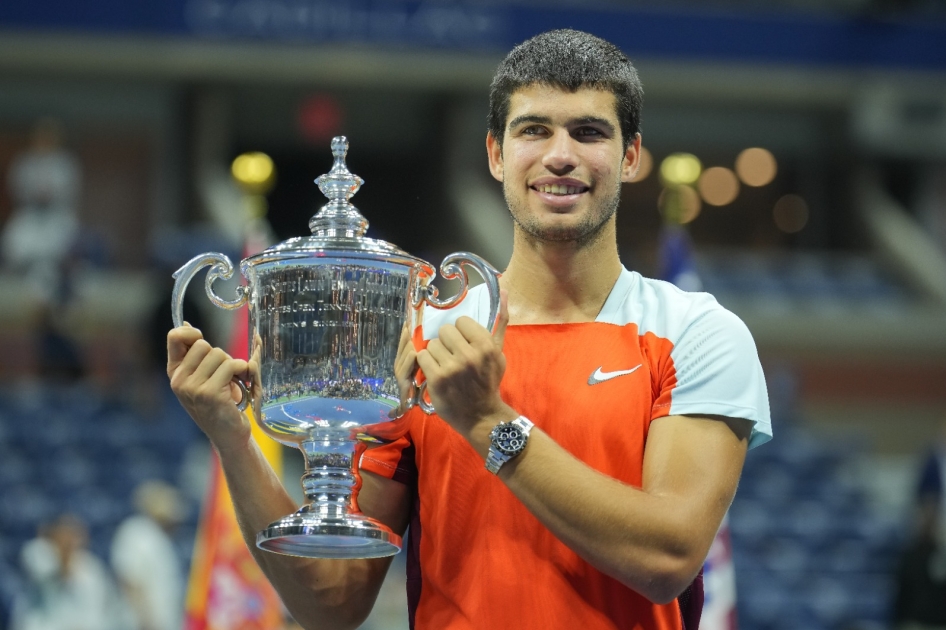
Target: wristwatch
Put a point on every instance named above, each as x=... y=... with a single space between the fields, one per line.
x=507 y=440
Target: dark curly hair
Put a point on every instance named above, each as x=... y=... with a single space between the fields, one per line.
x=569 y=60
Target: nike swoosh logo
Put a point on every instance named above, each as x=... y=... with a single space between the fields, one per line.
x=600 y=377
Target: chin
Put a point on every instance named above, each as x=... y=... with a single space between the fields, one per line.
x=563 y=233
x=573 y=224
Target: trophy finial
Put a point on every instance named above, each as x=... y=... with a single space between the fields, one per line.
x=339 y=216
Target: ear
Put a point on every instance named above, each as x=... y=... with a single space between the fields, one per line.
x=632 y=160
x=495 y=153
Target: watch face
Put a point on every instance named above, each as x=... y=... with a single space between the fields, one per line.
x=509 y=439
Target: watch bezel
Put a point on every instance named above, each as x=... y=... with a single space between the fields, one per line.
x=500 y=443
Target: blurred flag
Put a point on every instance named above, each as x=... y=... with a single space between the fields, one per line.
x=719 y=584
x=676 y=258
x=227 y=590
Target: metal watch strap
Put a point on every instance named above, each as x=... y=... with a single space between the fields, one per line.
x=496 y=458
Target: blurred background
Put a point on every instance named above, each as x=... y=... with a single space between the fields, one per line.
x=795 y=168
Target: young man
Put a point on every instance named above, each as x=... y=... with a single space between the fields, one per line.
x=581 y=458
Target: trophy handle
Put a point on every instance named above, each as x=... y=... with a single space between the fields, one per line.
x=454 y=266
x=221 y=268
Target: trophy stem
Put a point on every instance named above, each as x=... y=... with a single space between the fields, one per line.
x=328 y=480
x=328 y=526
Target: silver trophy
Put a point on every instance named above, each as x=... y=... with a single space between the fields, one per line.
x=326 y=314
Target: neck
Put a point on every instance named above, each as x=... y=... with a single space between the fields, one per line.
x=560 y=282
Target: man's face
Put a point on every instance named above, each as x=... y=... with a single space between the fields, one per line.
x=562 y=162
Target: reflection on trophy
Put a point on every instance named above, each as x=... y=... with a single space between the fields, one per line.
x=326 y=315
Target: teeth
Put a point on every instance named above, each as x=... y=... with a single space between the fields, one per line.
x=558 y=189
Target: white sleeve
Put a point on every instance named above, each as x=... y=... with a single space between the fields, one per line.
x=718 y=372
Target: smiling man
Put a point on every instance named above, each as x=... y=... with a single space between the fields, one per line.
x=582 y=458
x=564 y=164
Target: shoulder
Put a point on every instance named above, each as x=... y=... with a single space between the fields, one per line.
x=662 y=309
x=715 y=363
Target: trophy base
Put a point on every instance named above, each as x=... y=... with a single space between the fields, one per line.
x=347 y=537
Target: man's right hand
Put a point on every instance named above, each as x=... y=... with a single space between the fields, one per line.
x=405 y=367
x=202 y=379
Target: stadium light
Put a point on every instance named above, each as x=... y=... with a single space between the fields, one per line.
x=680 y=168
x=254 y=172
x=756 y=167
x=718 y=186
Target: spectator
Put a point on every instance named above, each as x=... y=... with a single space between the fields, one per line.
x=146 y=561
x=921 y=580
x=38 y=242
x=932 y=486
x=67 y=587
x=44 y=182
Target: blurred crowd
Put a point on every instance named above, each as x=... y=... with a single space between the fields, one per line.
x=142 y=588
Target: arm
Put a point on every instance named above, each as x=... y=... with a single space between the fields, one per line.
x=318 y=593
x=653 y=539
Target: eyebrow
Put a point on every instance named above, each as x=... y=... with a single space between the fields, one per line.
x=594 y=120
x=529 y=118
x=545 y=120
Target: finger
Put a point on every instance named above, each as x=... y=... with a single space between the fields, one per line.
x=473 y=332
x=405 y=336
x=428 y=364
x=210 y=363
x=253 y=376
x=439 y=352
x=180 y=341
x=243 y=369
x=405 y=349
x=454 y=339
x=191 y=361
x=236 y=394
x=222 y=377
x=404 y=364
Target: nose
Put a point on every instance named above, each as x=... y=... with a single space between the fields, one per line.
x=560 y=156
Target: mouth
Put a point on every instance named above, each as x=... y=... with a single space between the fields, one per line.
x=560 y=190
x=560 y=196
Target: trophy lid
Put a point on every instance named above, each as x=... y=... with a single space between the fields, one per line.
x=338 y=228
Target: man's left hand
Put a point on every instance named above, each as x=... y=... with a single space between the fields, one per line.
x=464 y=366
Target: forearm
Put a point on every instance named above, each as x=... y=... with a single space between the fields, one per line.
x=644 y=541
x=322 y=594
x=653 y=539
x=319 y=593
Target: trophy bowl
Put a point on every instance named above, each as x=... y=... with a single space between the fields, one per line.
x=326 y=315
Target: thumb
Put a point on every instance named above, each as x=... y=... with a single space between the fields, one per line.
x=499 y=331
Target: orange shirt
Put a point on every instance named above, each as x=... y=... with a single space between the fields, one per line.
x=477 y=558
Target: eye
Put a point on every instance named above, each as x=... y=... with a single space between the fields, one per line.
x=533 y=130
x=588 y=133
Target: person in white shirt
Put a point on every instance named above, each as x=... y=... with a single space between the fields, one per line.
x=145 y=560
x=67 y=587
x=45 y=184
